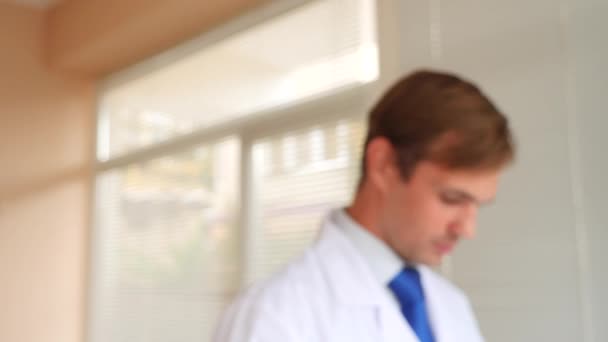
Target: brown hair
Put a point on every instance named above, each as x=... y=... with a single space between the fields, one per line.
x=440 y=117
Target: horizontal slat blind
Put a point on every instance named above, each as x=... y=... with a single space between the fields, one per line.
x=299 y=176
x=169 y=253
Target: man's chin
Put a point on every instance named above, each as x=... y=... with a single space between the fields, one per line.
x=432 y=261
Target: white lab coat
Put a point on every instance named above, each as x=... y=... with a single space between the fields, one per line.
x=331 y=294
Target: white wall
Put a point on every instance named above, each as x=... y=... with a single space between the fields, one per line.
x=526 y=272
x=589 y=53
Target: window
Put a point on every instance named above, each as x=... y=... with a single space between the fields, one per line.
x=290 y=202
x=215 y=168
x=276 y=63
x=167 y=243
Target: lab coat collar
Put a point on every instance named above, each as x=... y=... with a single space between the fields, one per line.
x=342 y=262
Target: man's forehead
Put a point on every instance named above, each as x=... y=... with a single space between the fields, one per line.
x=438 y=169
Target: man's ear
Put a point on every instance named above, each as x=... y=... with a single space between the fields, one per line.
x=380 y=163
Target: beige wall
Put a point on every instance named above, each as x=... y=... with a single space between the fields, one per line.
x=45 y=132
x=46 y=154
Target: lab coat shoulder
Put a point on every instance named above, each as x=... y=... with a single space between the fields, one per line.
x=283 y=308
x=321 y=296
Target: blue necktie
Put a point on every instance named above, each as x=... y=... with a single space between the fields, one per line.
x=407 y=288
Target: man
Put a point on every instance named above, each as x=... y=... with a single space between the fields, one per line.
x=433 y=155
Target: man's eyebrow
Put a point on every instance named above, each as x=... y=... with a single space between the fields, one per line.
x=466 y=195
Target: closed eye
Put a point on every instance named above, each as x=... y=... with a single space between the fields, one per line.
x=456 y=197
x=452 y=199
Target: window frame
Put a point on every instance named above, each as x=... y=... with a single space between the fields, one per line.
x=349 y=102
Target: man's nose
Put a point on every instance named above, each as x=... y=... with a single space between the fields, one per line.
x=467 y=222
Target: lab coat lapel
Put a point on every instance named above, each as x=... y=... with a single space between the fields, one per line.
x=354 y=285
x=440 y=311
x=394 y=326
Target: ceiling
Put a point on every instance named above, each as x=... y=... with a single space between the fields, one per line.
x=40 y=4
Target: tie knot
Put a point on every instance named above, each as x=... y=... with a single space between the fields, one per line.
x=407 y=287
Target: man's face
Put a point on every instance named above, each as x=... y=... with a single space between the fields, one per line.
x=423 y=217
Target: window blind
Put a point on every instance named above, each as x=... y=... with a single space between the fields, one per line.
x=168 y=256
x=298 y=177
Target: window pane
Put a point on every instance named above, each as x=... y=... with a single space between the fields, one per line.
x=167 y=250
x=283 y=60
x=290 y=198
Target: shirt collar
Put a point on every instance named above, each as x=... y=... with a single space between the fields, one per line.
x=381 y=259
